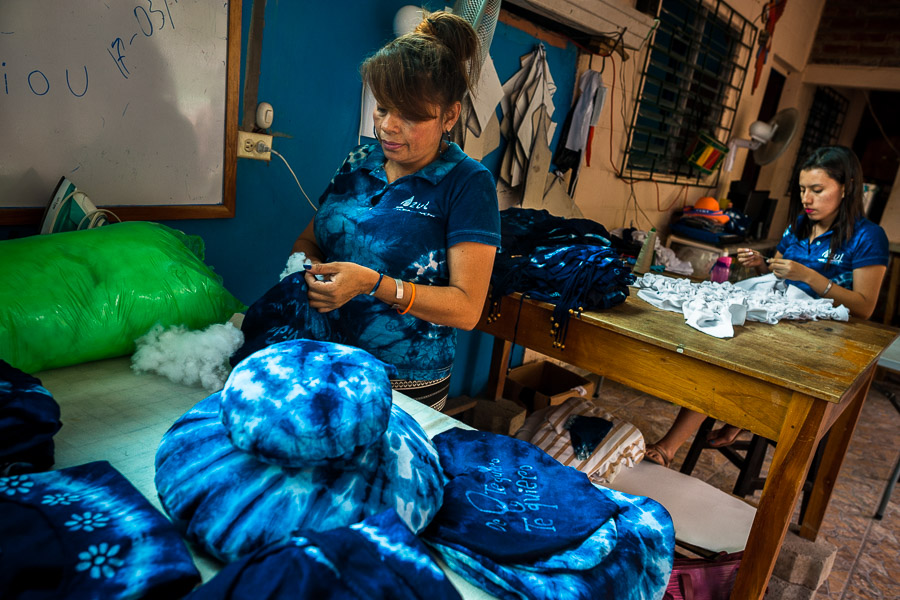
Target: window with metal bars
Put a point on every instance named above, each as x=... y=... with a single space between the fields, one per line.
x=692 y=80
x=823 y=126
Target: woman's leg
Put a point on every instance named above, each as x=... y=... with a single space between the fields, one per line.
x=685 y=425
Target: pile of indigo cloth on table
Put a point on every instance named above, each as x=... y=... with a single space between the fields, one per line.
x=521 y=526
x=29 y=418
x=85 y=532
x=376 y=559
x=571 y=263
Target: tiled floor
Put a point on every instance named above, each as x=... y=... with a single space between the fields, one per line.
x=868 y=557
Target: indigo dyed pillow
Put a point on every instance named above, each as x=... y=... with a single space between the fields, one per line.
x=513 y=523
x=377 y=559
x=85 y=532
x=510 y=501
x=231 y=503
x=29 y=418
x=319 y=401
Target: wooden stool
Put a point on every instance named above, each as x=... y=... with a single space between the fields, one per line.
x=750 y=463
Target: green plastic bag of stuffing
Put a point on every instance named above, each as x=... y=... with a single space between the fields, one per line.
x=72 y=297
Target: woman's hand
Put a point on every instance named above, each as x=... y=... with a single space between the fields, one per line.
x=750 y=258
x=342 y=281
x=789 y=269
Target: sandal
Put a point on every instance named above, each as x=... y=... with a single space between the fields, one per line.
x=655 y=454
x=724 y=436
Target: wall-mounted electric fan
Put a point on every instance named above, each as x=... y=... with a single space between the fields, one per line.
x=767 y=140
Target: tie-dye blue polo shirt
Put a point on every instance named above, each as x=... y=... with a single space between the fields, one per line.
x=869 y=246
x=403 y=229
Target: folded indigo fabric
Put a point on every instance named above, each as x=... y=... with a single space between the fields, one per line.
x=237 y=486
x=86 y=533
x=377 y=559
x=29 y=418
x=522 y=526
x=509 y=501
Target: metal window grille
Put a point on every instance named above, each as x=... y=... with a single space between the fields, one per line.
x=823 y=126
x=692 y=80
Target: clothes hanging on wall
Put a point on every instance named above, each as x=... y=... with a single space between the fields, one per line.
x=530 y=90
x=578 y=128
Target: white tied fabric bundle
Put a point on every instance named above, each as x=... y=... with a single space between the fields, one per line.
x=715 y=308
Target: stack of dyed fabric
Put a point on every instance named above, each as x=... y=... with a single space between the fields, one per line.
x=568 y=262
x=518 y=524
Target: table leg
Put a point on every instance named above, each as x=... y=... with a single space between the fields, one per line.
x=835 y=450
x=803 y=426
x=890 y=307
x=499 y=364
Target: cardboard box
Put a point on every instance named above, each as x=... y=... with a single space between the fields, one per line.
x=541 y=384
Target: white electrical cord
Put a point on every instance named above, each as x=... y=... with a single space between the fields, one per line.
x=261 y=147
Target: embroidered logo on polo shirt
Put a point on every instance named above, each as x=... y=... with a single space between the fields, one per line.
x=837 y=260
x=410 y=205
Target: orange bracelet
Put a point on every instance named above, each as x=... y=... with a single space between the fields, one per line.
x=412 y=298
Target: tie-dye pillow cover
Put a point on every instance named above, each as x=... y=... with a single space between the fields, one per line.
x=520 y=525
x=377 y=559
x=233 y=476
x=85 y=532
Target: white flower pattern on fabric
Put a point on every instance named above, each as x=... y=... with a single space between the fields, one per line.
x=63 y=499
x=100 y=560
x=87 y=521
x=16 y=484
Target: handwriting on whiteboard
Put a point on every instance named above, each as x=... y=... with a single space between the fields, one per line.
x=150 y=17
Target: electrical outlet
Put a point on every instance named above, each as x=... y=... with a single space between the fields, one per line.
x=247 y=142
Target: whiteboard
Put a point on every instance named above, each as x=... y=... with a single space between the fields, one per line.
x=125 y=99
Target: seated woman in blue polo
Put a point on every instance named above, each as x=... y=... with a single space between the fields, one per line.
x=829 y=250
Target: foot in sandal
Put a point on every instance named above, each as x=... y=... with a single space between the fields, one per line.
x=655 y=453
x=724 y=436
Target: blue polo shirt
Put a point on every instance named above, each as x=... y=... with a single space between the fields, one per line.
x=403 y=229
x=869 y=246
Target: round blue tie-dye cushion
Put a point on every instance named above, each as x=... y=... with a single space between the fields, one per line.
x=302 y=402
x=230 y=502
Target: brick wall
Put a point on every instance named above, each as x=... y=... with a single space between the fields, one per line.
x=858 y=32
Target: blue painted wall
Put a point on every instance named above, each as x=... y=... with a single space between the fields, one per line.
x=309 y=73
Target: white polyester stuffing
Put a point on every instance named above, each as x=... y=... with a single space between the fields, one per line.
x=188 y=357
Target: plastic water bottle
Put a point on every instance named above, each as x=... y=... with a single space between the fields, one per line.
x=721 y=270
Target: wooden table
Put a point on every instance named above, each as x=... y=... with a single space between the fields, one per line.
x=791 y=382
x=893 y=283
